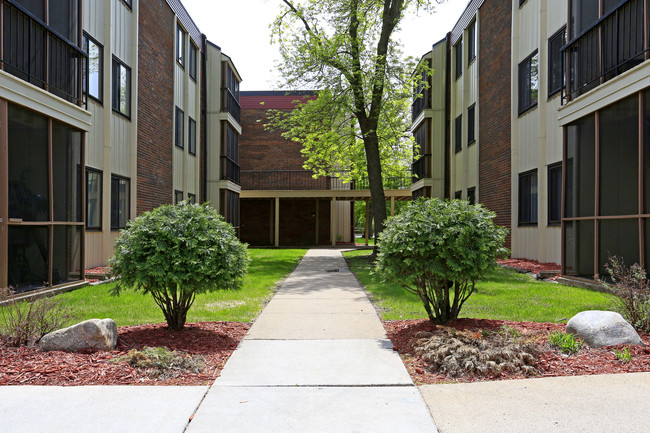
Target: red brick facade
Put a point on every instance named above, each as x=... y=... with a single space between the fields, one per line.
x=155 y=104
x=494 y=109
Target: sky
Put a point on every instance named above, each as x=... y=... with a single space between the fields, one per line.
x=241 y=29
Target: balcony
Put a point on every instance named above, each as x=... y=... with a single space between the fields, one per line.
x=295 y=180
x=421 y=168
x=615 y=43
x=38 y=54
x=420 y=103
x=230 y=170
x=231 y=105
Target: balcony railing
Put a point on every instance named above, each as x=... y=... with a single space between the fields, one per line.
x=615 y=43
x=421 y=168
x=303 y=180
x=420 y=104
x=34 y=52
x=230 y=170
x=231 y=105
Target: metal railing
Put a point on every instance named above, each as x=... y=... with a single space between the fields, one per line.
x=612 y=45
x=293 y=180
x=421 y=168
x=230 y=170
x=420 y=104
x=38 y=54
x=231 y=105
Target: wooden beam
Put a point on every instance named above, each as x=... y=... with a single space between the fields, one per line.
x=334 y=221
x=4 y=193
x=277 y=221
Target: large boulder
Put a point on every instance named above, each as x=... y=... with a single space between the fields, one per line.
x=602 y=328
x=90 y=334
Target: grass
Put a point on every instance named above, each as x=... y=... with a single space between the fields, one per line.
x=362 y=240
x=502 y=295
x=267 y=267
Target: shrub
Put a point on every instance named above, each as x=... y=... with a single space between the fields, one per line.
x=175 y=252
x=631 y=291
x=567 y=343
x=438 y=250
x=162 y=363
x=23 y=323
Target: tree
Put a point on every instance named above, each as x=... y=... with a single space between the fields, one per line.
x=345 y=49
x=438 y=250
x=176 y=251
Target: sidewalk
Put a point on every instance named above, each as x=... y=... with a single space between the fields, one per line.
x=316 y=360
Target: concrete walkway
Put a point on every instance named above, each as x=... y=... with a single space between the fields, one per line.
x=316 y=360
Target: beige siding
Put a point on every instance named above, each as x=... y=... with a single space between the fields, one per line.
x=178 y=168
x=343 y=221
x=93 y=20
x=94 y=250
x=123 y=32
x=121 y=146
x=94 y=138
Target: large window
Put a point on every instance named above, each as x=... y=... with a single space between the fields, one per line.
x=528 y=82
x=178 y=196
x=180 y=45
x=458 y=53
x=471 y=42
x=121 y=88
x=471 y=138
x=93 y=199
x=191 y=198
x=93 y=75
x=554 y=194
x=191 y=136
x=528 y=198
x=194 y=52
x=458 y=133
x=556 y=62
x=471 y=195
x=179 y=139
x=120 y=209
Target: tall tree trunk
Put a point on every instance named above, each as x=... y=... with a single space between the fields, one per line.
x=375 y=183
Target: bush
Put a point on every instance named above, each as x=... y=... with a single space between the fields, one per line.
x=567 y=343
x=175 y=252
x=631 y=289
x=23 y=323
x=438 y=250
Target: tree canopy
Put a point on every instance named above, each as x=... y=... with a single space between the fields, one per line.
x=346 y=50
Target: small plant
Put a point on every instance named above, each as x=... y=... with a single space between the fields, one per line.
x=623 y=355
x=631 y=291
x=175 y=252
x=161 y=363
x=438 y=250
x=23 y=323
x=567 y=343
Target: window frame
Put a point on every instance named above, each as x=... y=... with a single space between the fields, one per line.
x=178 y=199
x=128 y=3
x=116 y=86
x=471 y=195
x=86 y=39
x=458 y=133
x=526 y=83
x=100 y=199
x=193 y=56
x=471 y=124
x=528 y=199
x=458 y=195
x=179 y=128
x=554 y=200
x=471 y=42
x=554 y=91
x=458 y=57
x=118 y=226
x=181 y=34
x=191 y=136
x=191 y=198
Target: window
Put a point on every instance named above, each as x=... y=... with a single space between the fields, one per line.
x=470 y=124
x=180 y=45
x=93 y=199
x=93 y=69
x=458 y=195
x=528 y=198
x=178 y=196
x=191 y=136
x=556 y=62
x=194 y=51
x=121 y=88
x=119 y=202
x=179 y=139
x=555 y=194
x=127 y=2
x=458 y=50
x=471 y=42
x=471 y=195
x=458 y=132
x=191 y=198
x=528 y=83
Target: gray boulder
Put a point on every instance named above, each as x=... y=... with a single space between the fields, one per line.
x=90 y=334
x=602 y=328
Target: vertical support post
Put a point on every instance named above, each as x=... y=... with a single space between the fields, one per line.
x=640 y=188
x=597 y=193
x=4 y=193
x=317 y=222
x=334 y=221
x=277 y=222
x=50 y=226
x=367 y=220
x=392 y=205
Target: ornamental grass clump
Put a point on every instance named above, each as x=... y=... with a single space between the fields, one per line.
x=175 y=252
x=438 y=250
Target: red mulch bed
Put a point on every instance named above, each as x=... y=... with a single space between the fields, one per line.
x=551 y=361
x=529 y=265
x=215 y=341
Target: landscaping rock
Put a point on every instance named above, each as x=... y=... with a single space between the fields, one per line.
x=90 y=334
x=602 y=328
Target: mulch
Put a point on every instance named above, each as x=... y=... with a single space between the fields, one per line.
x=215 y=341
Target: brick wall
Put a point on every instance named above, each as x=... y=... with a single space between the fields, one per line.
x=155 y=104
x=494 y=109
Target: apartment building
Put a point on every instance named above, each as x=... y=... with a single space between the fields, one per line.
x=110 y=108
x=566 y=116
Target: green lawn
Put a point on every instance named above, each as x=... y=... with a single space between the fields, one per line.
x=502 y=295
x=267 y=267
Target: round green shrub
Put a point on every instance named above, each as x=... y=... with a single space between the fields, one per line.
x=175 y=252
x=438 y=250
